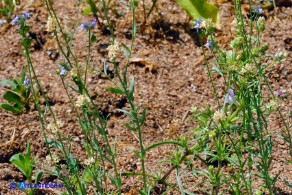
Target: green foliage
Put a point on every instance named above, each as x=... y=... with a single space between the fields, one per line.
x=18 y=96
x=8 y=8
x=24 y=162
x=224 y=133
x=240 y=123
x=92 y=8
x=201 y=9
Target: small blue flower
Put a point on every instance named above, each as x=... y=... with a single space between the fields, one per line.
x=260 y=10
x=26 y=82
x=230 y=96
x=15 y=20
x=63 y=71
x=93 y=23
x=208 y=44
x=86 y=26
x=198 y=23
x=19 y=18
x=26 y=16
x=83 y=26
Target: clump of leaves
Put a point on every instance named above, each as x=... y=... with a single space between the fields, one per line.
x=25 y=164
x=7 y=8
x=18 y=95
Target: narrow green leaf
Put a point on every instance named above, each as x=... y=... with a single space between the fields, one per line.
x=134 y=32
x=55 y=144
x=179 y=183
x=115 y=90
x=143 y=117
x=38 y=176
x=22 y=78
x=217 y=70
x=137 y=154
x=126 y=50
x=130 y=127
x=28 y=152
x=142 y=192
x=128 y=114
x=132 y=88
x=114 y=181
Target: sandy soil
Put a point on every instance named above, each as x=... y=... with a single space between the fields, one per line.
x=176 y=81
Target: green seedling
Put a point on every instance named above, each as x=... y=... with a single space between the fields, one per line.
x=18 y=96
x=25 y=164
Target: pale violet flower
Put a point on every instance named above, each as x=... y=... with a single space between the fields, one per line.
x=93 y=23
x=208 y=44
x=26 y=82
x=87 y=26
x=230 y=96
x=26 y=15
x=18 y=18
x=219 y=116
x=260 y=10
x=15 y=20
x=197 y=24
x=63 y=71
x=83 y=26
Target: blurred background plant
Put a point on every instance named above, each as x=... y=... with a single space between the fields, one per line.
x=7 y=7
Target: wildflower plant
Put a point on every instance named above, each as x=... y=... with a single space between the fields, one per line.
x=26 y=163
x=239 y=122
x=19 y=95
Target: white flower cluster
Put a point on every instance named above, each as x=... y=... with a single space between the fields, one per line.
x=81 y=100
x=89 y=161
x=52 y=159
x=53 y=127
x=52 y=24
x=218 y=116
x=113 y=49
x=261 y=23
x=247 y=68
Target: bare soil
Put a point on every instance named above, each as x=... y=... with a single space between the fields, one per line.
x=174 y=80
